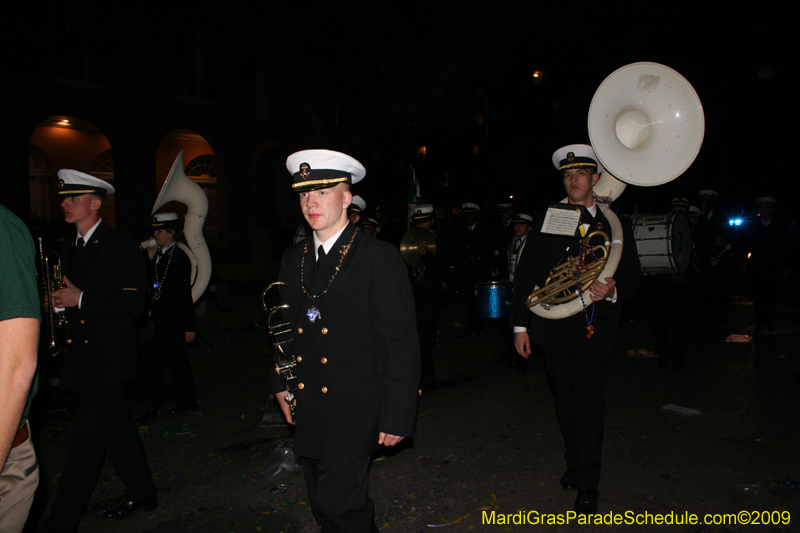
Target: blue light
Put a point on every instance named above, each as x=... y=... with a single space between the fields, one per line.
x=735 y=222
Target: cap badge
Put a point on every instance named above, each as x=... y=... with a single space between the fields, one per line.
x=60 y=184
x=419 y=211
x=570 y=156
x=305 y=170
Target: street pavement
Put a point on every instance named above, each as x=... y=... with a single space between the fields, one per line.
x=487 y=448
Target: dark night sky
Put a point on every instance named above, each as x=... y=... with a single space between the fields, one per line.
x=737 y=60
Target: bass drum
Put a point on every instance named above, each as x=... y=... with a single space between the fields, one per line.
x=493 y=299
x=664 y=243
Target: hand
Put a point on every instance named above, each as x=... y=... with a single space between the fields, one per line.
x=522 y=343
x=287 y=413
x=69 y=296
x=189 y=336
x=388 y=440
x=422 y=247
x=151 y=251
x=599 y=291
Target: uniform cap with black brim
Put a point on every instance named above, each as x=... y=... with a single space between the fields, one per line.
x=165 y=221
x=576 y=156
x=321 y=169
x=74 y=183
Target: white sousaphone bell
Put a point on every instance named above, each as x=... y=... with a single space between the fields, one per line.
x=646 y=126
x=180 y=188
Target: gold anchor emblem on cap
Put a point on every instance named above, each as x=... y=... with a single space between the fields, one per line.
x=305 y=170
x=60 y=184
x=570 y=156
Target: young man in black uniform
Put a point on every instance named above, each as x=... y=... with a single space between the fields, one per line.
x=576 y=361
x=172 y=313
x=104 y=273
x=357 y=373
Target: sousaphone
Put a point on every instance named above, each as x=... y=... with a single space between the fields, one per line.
x=180 y=188
x=646 y=126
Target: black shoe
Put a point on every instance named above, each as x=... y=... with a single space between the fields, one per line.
x=148 y=416
x=569 y=481
x=586 y=502
x=185 y=407
x=128 y=508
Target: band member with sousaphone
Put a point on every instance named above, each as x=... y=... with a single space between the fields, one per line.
x=172 y=313
x=577 y=347
x=357 y=372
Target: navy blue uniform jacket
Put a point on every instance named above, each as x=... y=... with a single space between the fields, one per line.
x=359 y=362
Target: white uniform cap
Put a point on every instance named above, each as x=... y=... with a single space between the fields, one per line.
x=576 y=156
x=707 y=194
x=469 y=207
x=74 y=183
x=358 y=204
x=320 y=169
x=522 y=217
x=422 y=211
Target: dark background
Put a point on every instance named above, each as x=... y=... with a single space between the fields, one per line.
x=379 y=81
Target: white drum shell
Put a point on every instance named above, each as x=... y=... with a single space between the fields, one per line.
x=664 y=243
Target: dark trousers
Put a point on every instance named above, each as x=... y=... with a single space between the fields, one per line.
x=102 y=427
x=337 y=492
x=168 y=351
x=577 y=381
x=426 y=329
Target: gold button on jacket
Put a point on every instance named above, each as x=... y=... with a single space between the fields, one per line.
x=324 y=331
x=324 y=390
x=324 y=360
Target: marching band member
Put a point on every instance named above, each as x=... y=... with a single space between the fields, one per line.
x=104 y=273
x=357 y=373
x=576 y=348
x=172 y=313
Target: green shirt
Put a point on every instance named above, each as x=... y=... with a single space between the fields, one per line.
x=19 y=295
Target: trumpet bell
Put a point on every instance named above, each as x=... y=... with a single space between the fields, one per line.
x=646 y=124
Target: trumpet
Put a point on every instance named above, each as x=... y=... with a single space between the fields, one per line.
x=51 y=281
x=574 y=272
x=282 y=344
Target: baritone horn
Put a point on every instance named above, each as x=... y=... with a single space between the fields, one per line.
x=51 y=281
x=280 y=334
x=646 y=127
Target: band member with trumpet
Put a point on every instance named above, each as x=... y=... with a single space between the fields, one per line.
x=104 y=294
x=172 y=313
x=428 y=284
x=19 y=337
x=357 y=373
x=577 y=348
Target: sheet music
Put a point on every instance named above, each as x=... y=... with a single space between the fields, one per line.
x=561 y=219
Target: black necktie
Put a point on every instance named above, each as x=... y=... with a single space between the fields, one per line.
x=80 y=242
x=320 y=255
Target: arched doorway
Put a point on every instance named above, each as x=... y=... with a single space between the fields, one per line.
x=199 y=164
x=66 y=142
